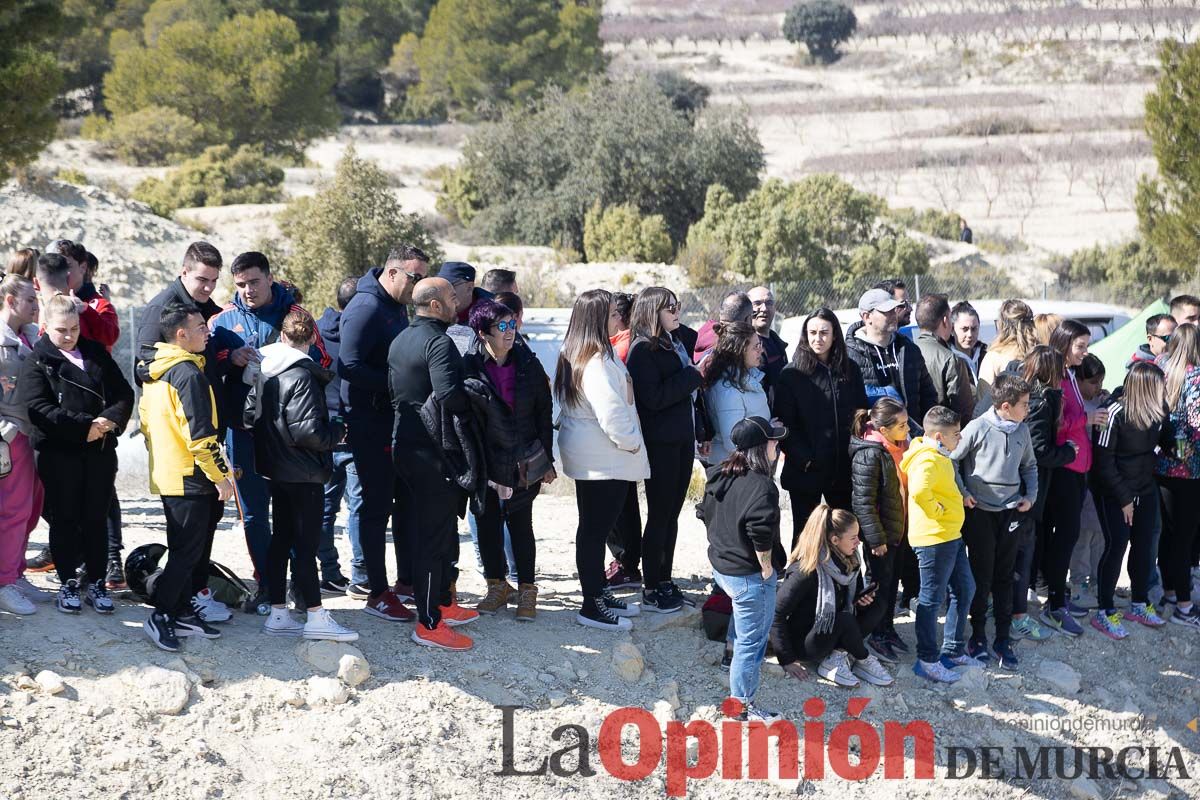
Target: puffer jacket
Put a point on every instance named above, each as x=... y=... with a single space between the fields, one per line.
x=817 y=410
x=509 y=432
x=293 y=434
x=913 y=387
x=14 y=415
x=875 y=493
x=64 y=400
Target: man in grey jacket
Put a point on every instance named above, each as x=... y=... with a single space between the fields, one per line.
x=949 y=374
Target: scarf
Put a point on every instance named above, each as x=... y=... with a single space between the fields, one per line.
x=827 y=574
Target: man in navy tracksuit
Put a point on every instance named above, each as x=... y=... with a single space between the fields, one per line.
x=252 y=321
x=372 y=319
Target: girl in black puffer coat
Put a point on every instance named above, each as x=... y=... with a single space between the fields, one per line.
x=878 y=495
x=511 y=393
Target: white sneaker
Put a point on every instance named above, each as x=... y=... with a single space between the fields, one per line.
x=32 y=592
x=12 y=601
x=836 y=668
x=321 y=625
x=281 y=623
x=209 y=608
x=871 y=671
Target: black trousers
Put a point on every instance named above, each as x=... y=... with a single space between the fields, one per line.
x=432 y=501
x=1062 y=531
x=115 y=543
x=666 y=488
x=992 y=538
x=1117 y=536
x=191 y=523
x=625 y=538
x=517 y=513
x=296 y=510
x=599 y=504
x=882 y=570
x=79 y=492
x=1181 y=516
x=803 y=504
x=1023 y=567
x=849 y=631
x=370 y=439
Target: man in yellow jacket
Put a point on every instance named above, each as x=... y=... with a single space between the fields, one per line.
x=935 y=519
x=188 y=471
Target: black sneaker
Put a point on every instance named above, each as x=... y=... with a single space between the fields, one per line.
x=115 y=577
x=882 y=648
x=670 y=587
x=898 y=644
x=335 y=585
x=192 y=625
x=358 y=591
x=661 y=600
x=161 y=630
x=727 y=659
x=618 y=607
x=1005 y=654
x=595 y=613
x=42 y=562
x=68 y=600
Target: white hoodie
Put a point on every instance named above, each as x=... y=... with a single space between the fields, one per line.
x=600 y=438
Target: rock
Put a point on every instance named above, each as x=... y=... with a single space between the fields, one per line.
x=1062 y=676
x=26 y=683
x=627 y=660
x=15 y=668
x=973 y=680
x=159 y=690
x=326 y=691
x=291 y=696
x=325 y=656
x=899 y=704
x=546 y=678
x=1085 y=789
x=671 y=695
x=686 y=617
x=663 y=712
x=49 y=682
x=353 y=669
x=556 y=699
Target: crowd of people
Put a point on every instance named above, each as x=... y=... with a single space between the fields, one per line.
x=918 y=462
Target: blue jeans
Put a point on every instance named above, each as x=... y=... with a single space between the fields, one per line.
x=344 y=481
x=255 y=499
x=753 y=612
x=508 y=551
x=943 y=566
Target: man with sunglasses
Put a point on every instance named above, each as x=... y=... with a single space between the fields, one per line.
x=891 y=365
x=371 y=320
x=1158 y=334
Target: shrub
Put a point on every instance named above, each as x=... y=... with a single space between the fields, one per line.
x=532 y=176
x=620 y=233
x=72 y=176
x=251 y=81
x=930 y=221
x=219 y=176
x=821 y=25
x=367 y=30
x=818 y=228
x=686 y=95
x=1132 y=270
x=29 y=81
x=150 y=136
x=703 y=263
x=346 y=227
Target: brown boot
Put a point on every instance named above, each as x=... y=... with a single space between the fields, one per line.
x=497 y=597
x=526 y=602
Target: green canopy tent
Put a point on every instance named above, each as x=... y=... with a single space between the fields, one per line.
x=1116 y=348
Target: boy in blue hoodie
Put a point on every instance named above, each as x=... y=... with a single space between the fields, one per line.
x=998 y=470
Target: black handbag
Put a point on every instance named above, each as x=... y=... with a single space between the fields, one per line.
x=533 y=465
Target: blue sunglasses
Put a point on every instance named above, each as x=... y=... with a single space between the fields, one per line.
x=511 y=325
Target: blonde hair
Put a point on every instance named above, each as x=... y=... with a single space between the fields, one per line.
x=13 y=285
x=60 y=305
x=1145 y=392
x=1183 y=353
x=813 y=547
x=1045 y=324
x=1016 y=334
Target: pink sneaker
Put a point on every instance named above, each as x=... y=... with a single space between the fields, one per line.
x=1146 y=614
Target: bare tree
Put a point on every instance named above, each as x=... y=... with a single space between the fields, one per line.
x=1029 y=177
x=990 y=181
x=1104 y=175
x=1074 y=162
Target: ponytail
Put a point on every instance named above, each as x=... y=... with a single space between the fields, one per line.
x=883 y=414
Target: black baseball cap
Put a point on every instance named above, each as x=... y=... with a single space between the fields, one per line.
x=753 y=431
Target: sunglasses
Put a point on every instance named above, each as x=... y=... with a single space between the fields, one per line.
x=503 y=327
x=1165 y=339
x=414 y=277
x=672 y=308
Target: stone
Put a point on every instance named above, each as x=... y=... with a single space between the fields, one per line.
x=628 y=662
x=158 y=690
x=353 y=670
x=973 y=680
x=291 y=696
x=1062 y=676
x=26 y=683
x=325 y=656
x=326 y=691
x=670 y=691
x=1085 y=789
x=686 y=617
x=49 y=682
x=556 y=699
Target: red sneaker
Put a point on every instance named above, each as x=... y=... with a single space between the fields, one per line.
x=403 y=591
x=388 y=606
x=442 y=636
x=454 y=614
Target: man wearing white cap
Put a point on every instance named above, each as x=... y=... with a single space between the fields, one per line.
x=891 y=365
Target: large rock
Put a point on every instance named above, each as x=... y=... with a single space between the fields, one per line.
x=49 y=682
x=326 y=691
x=686 y=617
x=1062 y=676
x=973 y=679
x=325 y=656
x=1084 y=789
x=628 y=662
x=353 y=669
x=162 y=691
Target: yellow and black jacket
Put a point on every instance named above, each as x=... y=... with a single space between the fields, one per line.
x=179 y=421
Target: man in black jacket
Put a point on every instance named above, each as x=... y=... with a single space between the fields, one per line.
x=424 y=362
x=774 y=357
x=891 y=365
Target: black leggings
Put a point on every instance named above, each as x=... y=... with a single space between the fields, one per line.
x=1062 y=531
x=296 y=510
x=1116 y=536
x=666 y=488
x=625 y=539
x=79 y=493
x=1181 y=515
x=598 y=503
x=882 y=570
x=848 y=633
x=517 y=513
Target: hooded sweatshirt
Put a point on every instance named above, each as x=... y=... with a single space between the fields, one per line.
x=179 y=420
x=995 y=459
x=330 y=327
x=741 y=514
x=14 y=415
x=935 y=504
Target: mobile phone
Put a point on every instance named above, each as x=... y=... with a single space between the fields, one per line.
x=866 y=591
